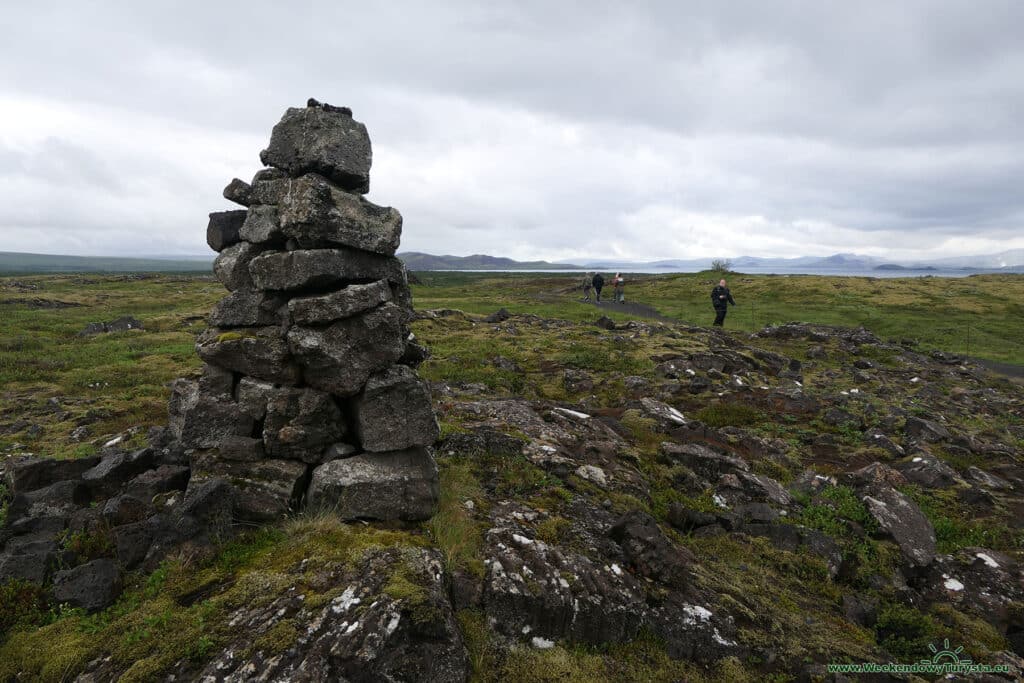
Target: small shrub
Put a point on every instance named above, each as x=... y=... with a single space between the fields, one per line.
x=89 y=545
x=905 y=632
x=22 y=603
x=5 y=499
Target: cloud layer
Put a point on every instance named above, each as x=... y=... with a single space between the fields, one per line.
x=534 y=129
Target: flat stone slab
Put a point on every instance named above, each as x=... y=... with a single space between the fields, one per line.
x=384 y=486
x=266 y=489
x=344 y=303
x=310 y=268
x=258 y=352
x=316 y=213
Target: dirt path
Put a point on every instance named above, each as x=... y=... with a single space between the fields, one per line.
x=632 y=308
x=628 y=307
x=1014 y=372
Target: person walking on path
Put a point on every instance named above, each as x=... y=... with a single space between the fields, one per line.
x=587 y=284
x=620 y=288
x=720 y=299
x=598 y=283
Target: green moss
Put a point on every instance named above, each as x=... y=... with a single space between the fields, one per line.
x=643 y=659
x=554 y=530
x=233 y=336
x=718 y=415
x=785 y=600
x=278 y=639
x=159 y=621
x=643 y=430
x=407 y=586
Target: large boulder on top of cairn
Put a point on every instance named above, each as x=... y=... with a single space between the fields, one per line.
x=303 y=399
x=319 y=138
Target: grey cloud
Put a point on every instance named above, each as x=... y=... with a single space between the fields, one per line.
x=868 y=117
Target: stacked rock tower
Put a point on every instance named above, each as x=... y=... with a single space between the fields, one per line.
x=308 y=394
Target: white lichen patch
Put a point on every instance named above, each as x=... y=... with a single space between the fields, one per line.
x=952 y=584
x=344 y=601
x=987 y=559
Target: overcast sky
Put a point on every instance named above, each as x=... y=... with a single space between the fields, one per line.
x=557 y=130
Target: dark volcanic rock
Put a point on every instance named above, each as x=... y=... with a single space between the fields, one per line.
x=309 y=268
x=28 y=473
x=121 y=324
x=328 y=142
x=232 y=265
x=364 y=634
x=386 y=486
x=35 y=565
x=649 y=552
x=315 y=213
x=116 y=469
x=266 y=489
x=211 y=420
x=300 y=424
x=928 y=431
x=260 y=352
x=239 y=192
x=394 y=412
x=58 y=499
x=91 y=586
x=343 y=303
x=900 y=518
x=499 y=316
x=208 y=507
x=702 y=460
x=124 y=509
x=243 y=308
x=262 y=225
x=929 y=471
x=340 y=358
x=223 y=229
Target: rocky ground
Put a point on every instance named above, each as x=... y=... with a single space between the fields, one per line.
x=619 y=501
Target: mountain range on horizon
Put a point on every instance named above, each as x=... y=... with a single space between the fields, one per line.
x=1006 y=261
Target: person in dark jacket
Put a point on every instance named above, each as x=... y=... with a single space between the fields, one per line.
x=720 y=299
x=598 y=283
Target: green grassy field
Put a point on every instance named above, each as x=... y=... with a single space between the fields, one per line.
x=981 y=315
x=110 y=382
x=54 y=381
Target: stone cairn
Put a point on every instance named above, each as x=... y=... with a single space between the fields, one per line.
x=309 y=396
